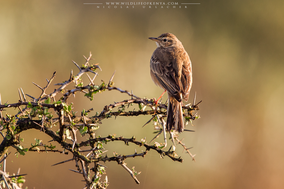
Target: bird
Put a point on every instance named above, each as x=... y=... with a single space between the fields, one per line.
x=170 y=69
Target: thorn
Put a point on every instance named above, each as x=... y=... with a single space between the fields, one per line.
x=23 y=94
x=4 y=163
x=189 y=130
x=52 y=77
x=94 y=77
x=73 y=145
x=110 y=81
x=18 y=171
x=71 y=75
x=88 y=59
x=62 y=162
x=31 y=97
x=59 y=84
x=97 y=66
x=75 y=171
x=131 y=94
x=18 y=175
x=149 y=121
x=101 y=165
x=170 y=149
x=194 y=99
x=21 y=98
x=195 y=106
x=6 y=155
x=91 y=80
x=156 y=136
x=76 y=65
x=189 y=148
x=199 y=102
x=6 y=183
x=38 y=86
x=93 y=72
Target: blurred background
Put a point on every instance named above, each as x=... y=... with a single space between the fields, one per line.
x=236 y=50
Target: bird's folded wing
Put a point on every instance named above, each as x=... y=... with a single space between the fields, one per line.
x=186 y=79
x=166 y=78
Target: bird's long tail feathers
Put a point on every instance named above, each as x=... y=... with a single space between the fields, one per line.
x=175 y=115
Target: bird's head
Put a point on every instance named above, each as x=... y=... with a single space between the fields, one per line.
x=166 y=40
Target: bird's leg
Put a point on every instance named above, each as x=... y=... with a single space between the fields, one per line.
x=160 y=97
x=156 y=101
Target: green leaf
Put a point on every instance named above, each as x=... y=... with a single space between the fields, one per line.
x=29 y=105
x=80 y=84
x=70 y=108
x=97 y=179
x=45 y=111
x=38 y=141
x=57 y=102
x=22 y=150
x=8 y=136
x=84 y=113
x=99 y=145
x=52 y=147
x=21 y=180
x=83 y=130
x=101 y=170
x=13 y=127
x=155 y=119
x=47 y=101
x=140 y=106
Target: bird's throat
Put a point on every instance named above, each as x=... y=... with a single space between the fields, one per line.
x=158 y=45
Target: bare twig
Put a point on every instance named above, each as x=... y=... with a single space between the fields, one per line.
x=123 y=164
x=185 y=148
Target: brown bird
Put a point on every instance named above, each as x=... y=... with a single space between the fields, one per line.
x=170 y=68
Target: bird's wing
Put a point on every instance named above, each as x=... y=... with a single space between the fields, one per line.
x=186 y=77
x=166 y=77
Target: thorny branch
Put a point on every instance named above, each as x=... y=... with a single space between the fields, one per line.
x=52 y=114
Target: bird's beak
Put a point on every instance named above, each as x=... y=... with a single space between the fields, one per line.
x=154 y=39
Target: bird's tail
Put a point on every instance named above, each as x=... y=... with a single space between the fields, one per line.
x=175 y=115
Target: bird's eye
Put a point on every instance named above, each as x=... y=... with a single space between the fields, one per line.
x=165 y=40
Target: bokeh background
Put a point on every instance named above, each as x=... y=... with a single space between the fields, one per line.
x=237 y=52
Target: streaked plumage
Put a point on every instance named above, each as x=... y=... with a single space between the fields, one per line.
x=170 y=68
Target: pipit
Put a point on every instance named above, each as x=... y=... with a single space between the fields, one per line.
x=170 y=69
